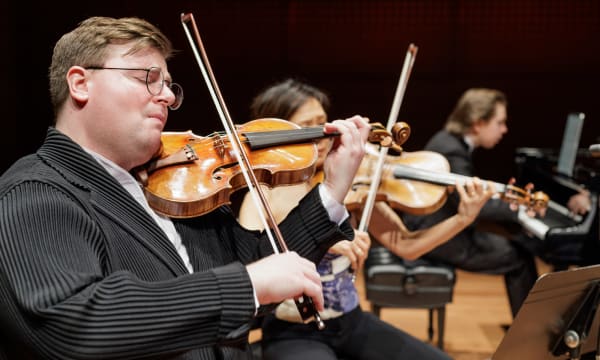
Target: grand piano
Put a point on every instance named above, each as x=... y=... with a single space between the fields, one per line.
x=567 y=239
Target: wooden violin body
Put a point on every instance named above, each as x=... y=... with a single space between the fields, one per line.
x=414 y=197
x=193 y=175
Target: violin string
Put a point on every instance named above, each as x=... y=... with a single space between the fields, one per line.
x=221 y=137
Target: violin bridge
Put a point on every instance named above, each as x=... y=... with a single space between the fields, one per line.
x=190 y=154
x=219 y=145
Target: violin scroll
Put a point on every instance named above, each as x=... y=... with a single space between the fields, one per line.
x=534 y=202
x=393 y=139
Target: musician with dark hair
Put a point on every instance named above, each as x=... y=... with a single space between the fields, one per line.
x=350 y=332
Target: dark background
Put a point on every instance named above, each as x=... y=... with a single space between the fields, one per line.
x=544 y=55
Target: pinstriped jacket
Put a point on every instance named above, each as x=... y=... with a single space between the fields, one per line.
x=85 y=273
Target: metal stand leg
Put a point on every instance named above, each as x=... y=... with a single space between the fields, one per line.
x=441 y=313
x=430 y=326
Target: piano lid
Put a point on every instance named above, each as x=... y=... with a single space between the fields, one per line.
x=570 y=144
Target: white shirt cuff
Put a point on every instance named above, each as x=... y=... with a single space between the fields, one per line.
x=337 y=212
x=256 y=303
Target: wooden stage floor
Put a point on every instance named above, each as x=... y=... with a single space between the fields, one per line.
x=473 y=320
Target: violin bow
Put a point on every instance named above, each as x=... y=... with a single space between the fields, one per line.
x=409 y=61
x=306 y=306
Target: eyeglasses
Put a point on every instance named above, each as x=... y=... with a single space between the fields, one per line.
x=155 y=82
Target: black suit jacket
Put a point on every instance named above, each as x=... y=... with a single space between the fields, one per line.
x=86 y=273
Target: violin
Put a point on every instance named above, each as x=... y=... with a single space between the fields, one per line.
x=417 y=183
x=192 y=175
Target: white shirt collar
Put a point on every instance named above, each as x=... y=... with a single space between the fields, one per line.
x=133 y=187
x=469 y=142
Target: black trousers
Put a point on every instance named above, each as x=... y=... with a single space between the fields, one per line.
x=356 y=335
x=492 y=253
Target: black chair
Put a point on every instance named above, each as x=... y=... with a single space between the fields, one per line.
x=393 y=282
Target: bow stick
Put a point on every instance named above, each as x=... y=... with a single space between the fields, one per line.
x=398 y=97
x=305 y=306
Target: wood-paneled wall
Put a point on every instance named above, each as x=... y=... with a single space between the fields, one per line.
x=544 y=54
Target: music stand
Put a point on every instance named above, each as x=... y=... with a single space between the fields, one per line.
x=561 y=307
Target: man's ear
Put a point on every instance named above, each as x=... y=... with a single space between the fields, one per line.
x=475 y=128
x=78 y=84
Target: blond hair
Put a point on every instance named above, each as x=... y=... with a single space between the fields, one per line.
x=475 y=104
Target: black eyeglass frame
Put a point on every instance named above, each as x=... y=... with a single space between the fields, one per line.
x=178 y=92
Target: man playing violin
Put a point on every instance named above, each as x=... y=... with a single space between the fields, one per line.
x=89 y=270
x=479 y=121
x=349 y=332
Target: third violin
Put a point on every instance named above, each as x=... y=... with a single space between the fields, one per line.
x=417 y=183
